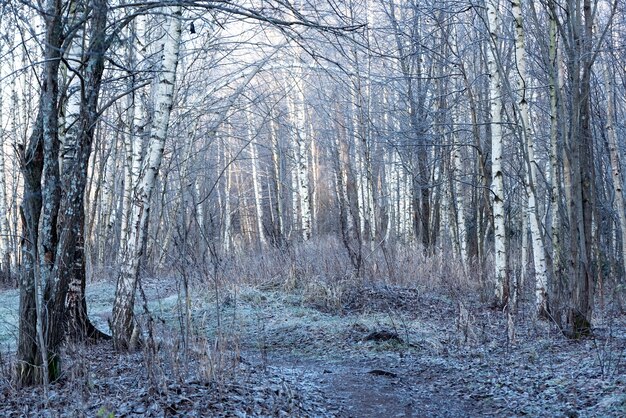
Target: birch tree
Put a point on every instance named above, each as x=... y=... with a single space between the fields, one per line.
x=497 y=185
x=77 y=110
x=618 y=184
x=559 y=268
x=123 y=323
x=277 y=178
x=300 y=147
x=37 y=356
x=256 y=185
x=136 y=122
x=53 y=223
x=5 y=231
x=539 y=252
x=226 y=207
x=459 y=201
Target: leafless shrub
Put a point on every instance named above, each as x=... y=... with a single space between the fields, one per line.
x=392 y=277
x=609 y=350
x=78 y=374
x=323 y=260
x=217 y=358
x=209 y=359
x=465 y=326
x=6 y=368
x=326 y=295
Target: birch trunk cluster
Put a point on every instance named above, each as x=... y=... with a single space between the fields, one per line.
x=122 y=322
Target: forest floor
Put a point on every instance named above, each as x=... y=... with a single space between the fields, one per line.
x=349 y=351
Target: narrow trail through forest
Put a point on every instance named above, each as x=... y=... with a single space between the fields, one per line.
x=438 y=357
x=377 y=388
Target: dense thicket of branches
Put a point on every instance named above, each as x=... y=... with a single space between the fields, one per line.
x=148 y=133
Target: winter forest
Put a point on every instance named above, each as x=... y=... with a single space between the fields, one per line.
x=312 y=208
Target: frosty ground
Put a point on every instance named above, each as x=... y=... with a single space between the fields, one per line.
x=327 y=348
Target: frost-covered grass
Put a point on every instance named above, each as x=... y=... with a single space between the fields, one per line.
x=9 y=317
x=320 y=347
x=100 y=298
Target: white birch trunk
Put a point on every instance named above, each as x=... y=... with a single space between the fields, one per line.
x=365 y=194
x=342 y=183
x=406 y=203
x=443 y=194
x=15 y=111
x=199 y=207
x=245 y=214
x=123 y=315
x=397 y=204
x=459 y=200
x=277 y=180
x=369 y=194
x=108 y=206
x=390 y=178
x=358 y=163
x=110 y=200
x=295 y=213
x=555 y=191
x=69 y=116
x=4 y=215
x=300 y=174
x=227 y=228
x=315 y=180
x=497 y=185
x=539 y=252
x=136 y=121
x=366 y=126
x=390 y=192
x=618 y=185
x=256 y=185
x=457 y=167
x=303 y=158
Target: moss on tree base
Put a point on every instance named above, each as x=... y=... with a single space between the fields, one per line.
x=31 y=373
x=579 y=326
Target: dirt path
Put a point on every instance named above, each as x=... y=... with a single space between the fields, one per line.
x=376 y=388
x=439 y=368
x=366 y=390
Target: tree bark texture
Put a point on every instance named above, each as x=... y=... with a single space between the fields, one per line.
x=497 y=185
x=123 y=321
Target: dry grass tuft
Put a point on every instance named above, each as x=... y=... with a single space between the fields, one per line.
x=320 y=270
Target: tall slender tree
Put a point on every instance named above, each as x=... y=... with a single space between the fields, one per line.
x=539 y=252
x=123 y=322
x=497 y=185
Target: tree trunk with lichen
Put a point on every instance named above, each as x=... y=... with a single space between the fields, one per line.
x=39 y=335
x=52 y=209
x=618 y=184
x=31 y=164
x=71 y=247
